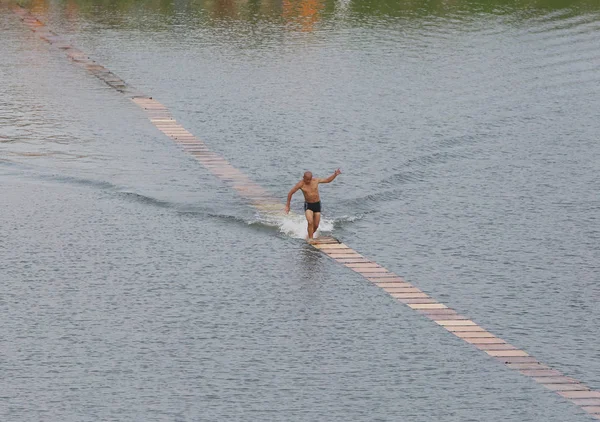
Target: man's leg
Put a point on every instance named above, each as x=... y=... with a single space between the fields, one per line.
x=316 y=221
x=310 y=220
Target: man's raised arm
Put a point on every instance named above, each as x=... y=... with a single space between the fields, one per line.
x=289 y=198
x=330 y=178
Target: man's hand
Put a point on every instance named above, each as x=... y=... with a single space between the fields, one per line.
x=287 y=209
x=337 y=172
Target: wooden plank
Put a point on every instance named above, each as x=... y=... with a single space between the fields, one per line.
x=506 y=353
x=350 y=260
x=499 y=346
x=178 y=135
x=327 y=239
x=464 y=329
x=340 y=253
x=439 y=313
x=516 y=359
x=566 y=387
x=456 y=323
x=473 y=334
x=391 y=282
x=419 y=300
x=381 y=281
x=336 y=256
x=329 y=246
x=444 y=317
x=580 y=394
x=555 y=380
x=378 y=276
x=541 y=373
x=592 y=409
x=401 y=290
x=370 y=270
x=409 y=295
x=203 y=156
x=488 y=340
x=586 y=402
x=534 y=366
x=214 y=162
x=429 y=306
x=363 y=265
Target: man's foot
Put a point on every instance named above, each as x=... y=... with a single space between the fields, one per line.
x=311 y=241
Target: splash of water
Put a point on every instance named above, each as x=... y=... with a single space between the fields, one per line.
x=295 y=225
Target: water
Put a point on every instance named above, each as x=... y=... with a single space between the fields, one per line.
x=136 y=286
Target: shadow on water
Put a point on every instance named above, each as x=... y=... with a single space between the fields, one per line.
x=310 y=262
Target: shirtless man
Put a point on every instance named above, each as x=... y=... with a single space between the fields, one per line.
x=312 y=203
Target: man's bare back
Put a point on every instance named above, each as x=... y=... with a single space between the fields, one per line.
x=312 y=205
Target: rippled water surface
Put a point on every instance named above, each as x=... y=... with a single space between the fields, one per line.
x=135 y=286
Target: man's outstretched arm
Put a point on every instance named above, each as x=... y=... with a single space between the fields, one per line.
x=289 y=198
x=330 y=178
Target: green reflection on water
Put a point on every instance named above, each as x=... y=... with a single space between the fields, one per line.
x=304 y=14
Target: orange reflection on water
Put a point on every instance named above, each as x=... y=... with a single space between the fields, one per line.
x=72 y=11
x=304 y=12
x=224 y=8
x=39 y=7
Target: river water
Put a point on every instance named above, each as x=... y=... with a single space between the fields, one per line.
x=135 y=286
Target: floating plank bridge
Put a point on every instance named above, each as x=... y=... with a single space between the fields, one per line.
x=403 y=292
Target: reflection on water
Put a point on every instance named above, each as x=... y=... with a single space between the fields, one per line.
x=305 y=12
x=298 y=14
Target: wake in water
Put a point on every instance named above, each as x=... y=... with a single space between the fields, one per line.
x=291 y=225
x=295 y=225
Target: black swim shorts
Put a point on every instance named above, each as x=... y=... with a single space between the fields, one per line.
x=313 y=206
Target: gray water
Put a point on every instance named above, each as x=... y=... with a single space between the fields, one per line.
x=135 y=286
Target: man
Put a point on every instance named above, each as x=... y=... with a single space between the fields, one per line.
x=312 y=203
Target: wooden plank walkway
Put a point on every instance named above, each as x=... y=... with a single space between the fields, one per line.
x=451 y=320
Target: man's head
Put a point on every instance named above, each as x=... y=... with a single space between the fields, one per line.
x=307 y=176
